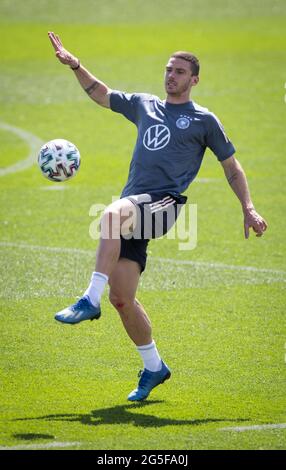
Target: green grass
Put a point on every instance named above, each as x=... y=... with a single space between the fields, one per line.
x=12 y=149
x=221 y=330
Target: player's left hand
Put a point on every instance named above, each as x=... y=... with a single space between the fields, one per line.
x=253 y=220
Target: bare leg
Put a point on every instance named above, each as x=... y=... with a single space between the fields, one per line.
x=119 y=213
x=107 y=255
x=136 y=323
x=119 y=218
x=123 y=285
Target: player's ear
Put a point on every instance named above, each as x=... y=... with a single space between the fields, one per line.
x=195 y=80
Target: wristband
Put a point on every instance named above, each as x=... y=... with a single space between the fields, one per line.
x=77 y=66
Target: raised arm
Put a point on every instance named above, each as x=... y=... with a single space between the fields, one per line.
x=238 y=182
x=96 y=89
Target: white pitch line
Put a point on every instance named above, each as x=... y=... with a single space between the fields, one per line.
x=34 y=143
x=207 y=264
x=26 y=246
x=48 y=445
x=212 y=264
x=54 y=188
x=256 y=427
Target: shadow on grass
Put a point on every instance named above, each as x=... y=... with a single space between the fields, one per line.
x=123 y=415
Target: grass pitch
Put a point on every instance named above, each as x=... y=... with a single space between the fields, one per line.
x=219 y=325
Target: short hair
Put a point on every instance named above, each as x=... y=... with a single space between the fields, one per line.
x=189 y=57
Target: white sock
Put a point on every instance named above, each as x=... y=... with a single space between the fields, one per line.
x=96 y=287
x=152 y=360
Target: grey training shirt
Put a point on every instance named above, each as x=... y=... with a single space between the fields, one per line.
x=171 y=142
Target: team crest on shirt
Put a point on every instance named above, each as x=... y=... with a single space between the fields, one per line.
x=183 y=122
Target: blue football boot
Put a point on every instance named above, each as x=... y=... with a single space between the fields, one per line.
x=149 y=380
x=80 y=311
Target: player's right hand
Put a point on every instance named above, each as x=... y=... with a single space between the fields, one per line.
x=64 y=56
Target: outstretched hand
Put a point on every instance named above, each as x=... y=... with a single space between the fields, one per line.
x=64 y=56
x=254 y=220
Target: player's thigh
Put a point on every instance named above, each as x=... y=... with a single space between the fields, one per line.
x=126 y=210
x=124 y=281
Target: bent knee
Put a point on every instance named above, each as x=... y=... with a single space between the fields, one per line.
x=120 y=302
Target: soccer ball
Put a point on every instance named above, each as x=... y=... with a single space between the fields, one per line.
x=59 y=160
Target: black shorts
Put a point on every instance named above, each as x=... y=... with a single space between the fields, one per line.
x=156 y=214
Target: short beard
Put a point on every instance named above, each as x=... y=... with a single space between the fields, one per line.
x=179 y=92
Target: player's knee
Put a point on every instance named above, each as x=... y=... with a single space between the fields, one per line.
x=120 y=302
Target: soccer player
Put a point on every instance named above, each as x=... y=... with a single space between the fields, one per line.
x=173 y=135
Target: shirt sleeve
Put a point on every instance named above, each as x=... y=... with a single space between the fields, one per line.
x=124 y=103
x=217 y=139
